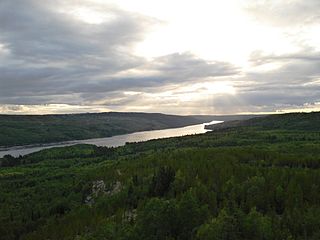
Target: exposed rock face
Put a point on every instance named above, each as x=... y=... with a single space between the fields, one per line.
x=115 y=188
x=99 y=188
x=130 y=215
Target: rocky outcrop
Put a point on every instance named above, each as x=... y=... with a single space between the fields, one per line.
x=99 y=188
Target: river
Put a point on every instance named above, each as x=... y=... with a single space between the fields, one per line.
x=114 y=141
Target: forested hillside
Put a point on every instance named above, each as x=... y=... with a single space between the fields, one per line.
x=251 y=182
x=28 y=129
x=289 y=121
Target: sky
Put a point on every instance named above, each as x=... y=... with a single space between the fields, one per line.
x=170 y=56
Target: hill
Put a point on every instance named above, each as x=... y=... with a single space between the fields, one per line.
x=31 y=129
x=38 y=129
x=289 y=121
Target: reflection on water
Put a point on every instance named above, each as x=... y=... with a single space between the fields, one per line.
x=115 y=141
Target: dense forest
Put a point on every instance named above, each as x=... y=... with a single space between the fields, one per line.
x=259 y=180
x=289 y=121
x=38 y=129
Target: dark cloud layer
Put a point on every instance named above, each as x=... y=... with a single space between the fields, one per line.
x=53 y=53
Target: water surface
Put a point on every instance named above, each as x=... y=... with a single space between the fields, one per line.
x=114 y=141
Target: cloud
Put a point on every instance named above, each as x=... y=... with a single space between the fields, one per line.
x=53 y=56
x=285 y=13
x=294 y=82
x=40 y=32
x=297 y=69
x=80 y=55
x=187 y=65
x=51 y=52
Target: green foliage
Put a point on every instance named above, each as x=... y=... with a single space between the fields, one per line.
x=161 y=181
x=28 y=129
x=231 y=184
x=289 y=121
x=157 y=220
x=224 y=227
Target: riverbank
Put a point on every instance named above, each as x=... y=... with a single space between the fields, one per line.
x=114 y=141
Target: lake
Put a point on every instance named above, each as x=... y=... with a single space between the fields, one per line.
x=114 y=141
